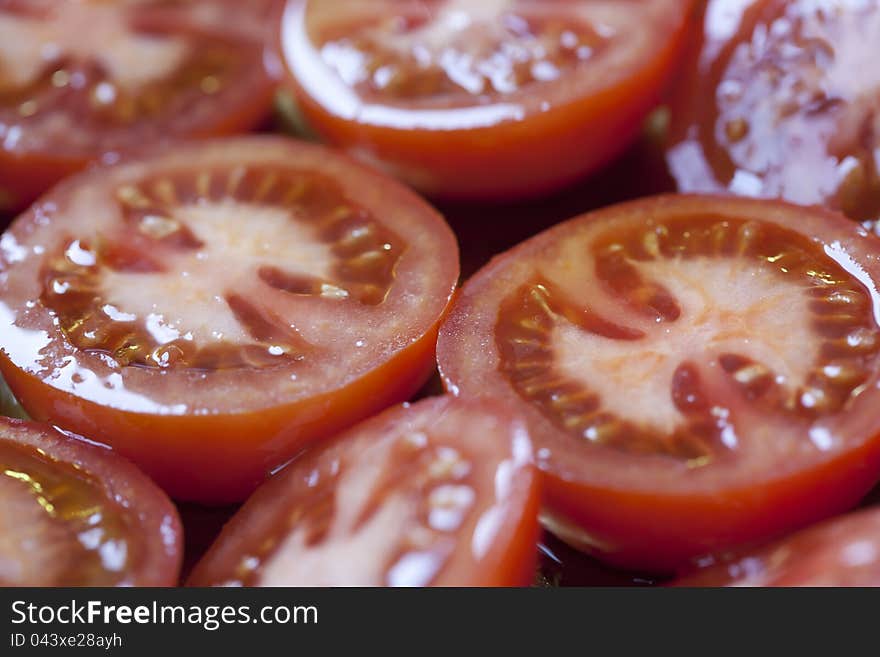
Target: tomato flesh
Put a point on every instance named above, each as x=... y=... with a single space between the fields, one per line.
x=75 y=514
x=844 y=551
x=499 y=99
x=210 y=309
x=781 y=101
x=697 y=372
x=147 y=71
x=440 y=493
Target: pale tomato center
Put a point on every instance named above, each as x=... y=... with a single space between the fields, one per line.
x=221 y=261
x=85 y=31
x=237 y=239
x=727 y=306
x=678 y=316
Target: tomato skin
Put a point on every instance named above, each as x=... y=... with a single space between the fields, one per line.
x=511 y=559
x=656 y=529
x=665 y=534
x=841 y=552
x=165 y=445
x=221 y=456
x=509 y=159
x=152 y=513
x=559 y=148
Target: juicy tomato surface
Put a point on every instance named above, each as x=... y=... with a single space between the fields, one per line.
x=209 y=309
x=843 y=551
x=781 y=99
x=75 y=514
x=439 y=493
x=696 y=372
x=496 y=99
x=82 y=80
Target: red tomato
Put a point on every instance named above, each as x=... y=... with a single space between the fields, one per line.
x=75 y=514
x=81 y=80
x=493 y=99
x=440 y=493
x=844 y=551
x=211 y=308
x=696 y=372
x=782 y=100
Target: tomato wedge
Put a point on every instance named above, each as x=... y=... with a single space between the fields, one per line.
x=492 y=99
x=844 y=551
x=696 y=372
x=782 y=100
x=75 y=514
x=439 y=493
x=82 y=80
x=209 y=309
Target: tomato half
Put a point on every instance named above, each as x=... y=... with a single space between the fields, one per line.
x=782 y=100
x=209 y=309
x=76 y=514
x=82 y=80
x=696 y=372
x=440 y=493
x=494 y=99
x=844 y=551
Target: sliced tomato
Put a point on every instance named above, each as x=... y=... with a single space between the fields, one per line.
x=209 y=309
x=82 y=80
x=696 y=372
x=844 y=551
x=75 y=514
x=494 y=99
x=440 y=493
x=782 y=100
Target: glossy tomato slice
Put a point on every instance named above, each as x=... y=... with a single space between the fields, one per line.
x=844 y=551
x=209 y=309
x=696 y=372
x=782 y=100
x=501 y=98
x=75 y=514
x=82 y=80
x=441 y=493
